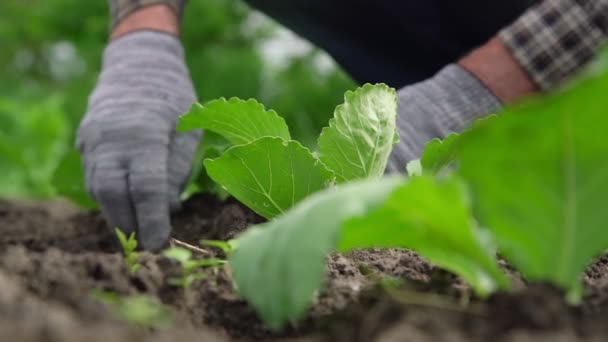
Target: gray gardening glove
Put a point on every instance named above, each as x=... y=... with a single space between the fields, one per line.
x=136 y=164
x=445 y=103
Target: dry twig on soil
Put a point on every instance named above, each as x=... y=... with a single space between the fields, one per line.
x=189 y=247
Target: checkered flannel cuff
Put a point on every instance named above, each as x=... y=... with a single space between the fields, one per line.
x=555 y=38
x=119 y=9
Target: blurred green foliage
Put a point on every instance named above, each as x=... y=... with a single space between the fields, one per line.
x=31 y=145
x=50 y=57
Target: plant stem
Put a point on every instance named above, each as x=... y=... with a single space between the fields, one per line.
x=190 y=247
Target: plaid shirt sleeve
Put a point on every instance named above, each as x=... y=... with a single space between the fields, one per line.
x=119 y=9
x=555 y=38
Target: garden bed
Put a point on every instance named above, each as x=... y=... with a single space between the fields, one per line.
x=54 y=255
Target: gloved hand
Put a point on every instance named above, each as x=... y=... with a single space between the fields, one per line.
x=445 y=103
x=136 y=164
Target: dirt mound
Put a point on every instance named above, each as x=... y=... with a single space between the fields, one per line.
x=52 y=257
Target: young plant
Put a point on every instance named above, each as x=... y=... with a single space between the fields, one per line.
x=269 y=172
x=129 y=248
x=41 y=131
x=538 y=176
x=533 y=177
x=191 y=268
x=279 y=265
x=543 y=207
x=142 y=310
x=227 y=247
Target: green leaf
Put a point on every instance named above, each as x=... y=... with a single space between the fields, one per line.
x=212 y=145
x=33 y=138
x=210 y=262
x=129 y=244
x=539 y=174
x=269 y=175
x=142 y=310
x=129 y=247
x=438 y=154
x=109 y=298
x=179 y=254
x=361 y=135
x=434 y=219
x=227 y=247
x=69 y=182
x=413 y=168
x=122 y=238
x=239 y=121
x=279 y=265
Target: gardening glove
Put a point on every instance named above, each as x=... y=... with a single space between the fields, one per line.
x=120 y=9
x=135 y=163
x=443 y=104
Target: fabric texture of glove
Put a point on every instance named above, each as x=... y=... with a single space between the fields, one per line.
x=443 y=104
x=136 y=164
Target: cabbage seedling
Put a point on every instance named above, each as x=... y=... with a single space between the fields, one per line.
x=129 y=247
x=270 y=172
x=141 y=310
x=191 y=268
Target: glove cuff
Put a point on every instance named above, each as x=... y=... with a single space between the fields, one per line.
x=462 y=98
x=120 y=9
x=148 y=45
x=143 y=70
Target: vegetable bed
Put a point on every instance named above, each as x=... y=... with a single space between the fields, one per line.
x=53 y=256
x=495 y=233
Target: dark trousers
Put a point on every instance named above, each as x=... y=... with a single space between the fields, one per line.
x=397 y=42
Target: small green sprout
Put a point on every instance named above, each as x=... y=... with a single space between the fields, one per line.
x=191 y=267
x=228 y=247
x=129 y=247
x=142 y=310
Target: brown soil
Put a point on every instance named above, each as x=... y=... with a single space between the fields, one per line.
x=52 y=256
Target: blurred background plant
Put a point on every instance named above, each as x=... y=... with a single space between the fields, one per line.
x=49 y=60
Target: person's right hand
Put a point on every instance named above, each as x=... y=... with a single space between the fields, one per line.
x=135 y=163
x=445 y=103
